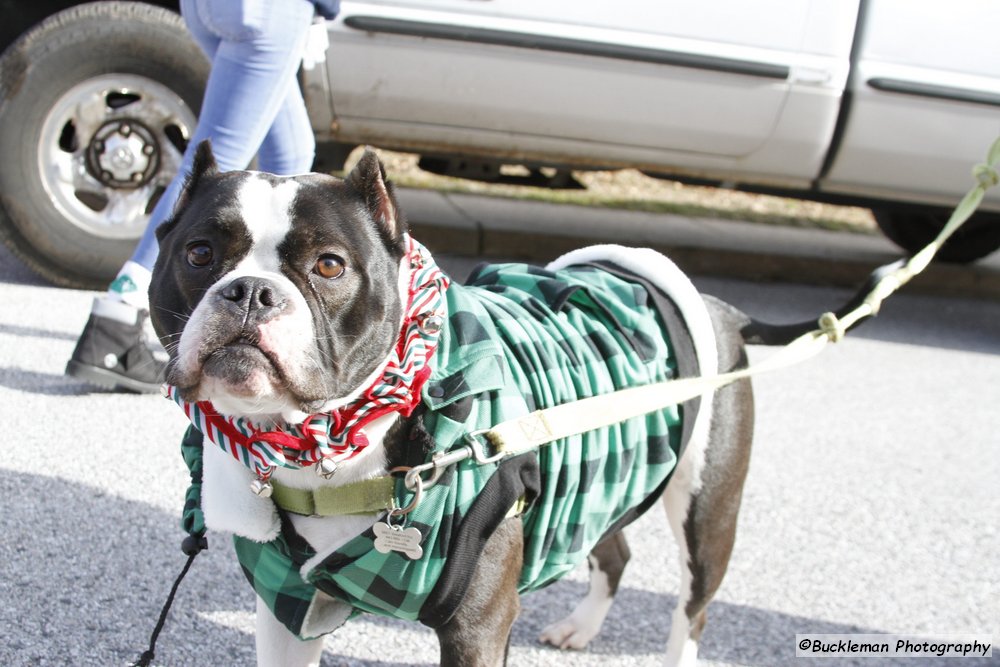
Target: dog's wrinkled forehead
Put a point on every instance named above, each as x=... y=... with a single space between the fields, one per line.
x=264 y=205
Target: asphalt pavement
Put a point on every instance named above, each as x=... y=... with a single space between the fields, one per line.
x=871 y=504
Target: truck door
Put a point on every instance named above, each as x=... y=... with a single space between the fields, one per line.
x=926 y=101
x=638 y=82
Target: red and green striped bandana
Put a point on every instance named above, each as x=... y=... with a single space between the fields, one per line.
x=338 y=435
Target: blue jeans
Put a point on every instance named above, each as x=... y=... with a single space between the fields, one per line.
x=252 y=102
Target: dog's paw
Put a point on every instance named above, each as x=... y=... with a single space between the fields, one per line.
x=570 y=633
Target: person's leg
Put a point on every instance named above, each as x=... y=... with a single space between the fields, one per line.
x=290 y=145
x=253 y=73
x=257 y=50
x=132 y=281
x=252 y=86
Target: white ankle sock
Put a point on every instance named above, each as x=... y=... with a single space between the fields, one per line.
x=132 y=285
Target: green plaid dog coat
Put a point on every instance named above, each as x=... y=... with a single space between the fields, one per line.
x=519 y=338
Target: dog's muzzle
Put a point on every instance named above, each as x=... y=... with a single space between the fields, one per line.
x=251 y=336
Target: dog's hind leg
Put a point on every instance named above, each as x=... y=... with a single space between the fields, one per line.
x=704 y=524
x=703 y=499
x=277 y=647
x=607 y=562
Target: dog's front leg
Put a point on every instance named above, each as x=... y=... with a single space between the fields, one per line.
x=277 y=647
x=479 y=633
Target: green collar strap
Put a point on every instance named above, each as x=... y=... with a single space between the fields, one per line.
x=364 y=497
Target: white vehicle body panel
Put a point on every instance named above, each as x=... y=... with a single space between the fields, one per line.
x=731 y=91
x=912 y=146
x=533 y=103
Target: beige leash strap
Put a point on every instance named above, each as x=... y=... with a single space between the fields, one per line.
x=541 y=427
x=522 y=434
x=519 y=435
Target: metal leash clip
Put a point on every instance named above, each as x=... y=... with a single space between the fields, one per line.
x=417 y=483
x=478 y=448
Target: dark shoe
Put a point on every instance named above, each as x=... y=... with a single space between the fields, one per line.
x=117 y=350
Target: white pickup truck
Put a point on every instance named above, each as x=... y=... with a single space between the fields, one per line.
x=883 y=103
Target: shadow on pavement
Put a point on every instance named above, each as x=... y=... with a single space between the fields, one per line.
x=85 y=573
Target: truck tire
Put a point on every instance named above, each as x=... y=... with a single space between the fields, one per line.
x=913 y=227
x=97 y=103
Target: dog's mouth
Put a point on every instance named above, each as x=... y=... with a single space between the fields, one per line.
x=241 y=362
x=241 y=370
x=239 y=367
x=232 y=360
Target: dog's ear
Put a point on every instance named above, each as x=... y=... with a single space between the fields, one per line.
x=368 y=178
x=203 y=165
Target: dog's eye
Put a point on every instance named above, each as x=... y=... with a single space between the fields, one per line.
x=329 y=266
x=199 y=255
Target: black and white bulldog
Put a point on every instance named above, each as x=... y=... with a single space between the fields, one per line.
x=280 y=298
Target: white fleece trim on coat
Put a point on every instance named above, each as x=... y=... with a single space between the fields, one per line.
x=227 y=501
x=325 y=614
x=659 y=270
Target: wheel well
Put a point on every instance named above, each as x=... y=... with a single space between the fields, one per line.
x=19 y=15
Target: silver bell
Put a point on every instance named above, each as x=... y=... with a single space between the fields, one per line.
x=326 y=467
x=431 y=323
x=262 y=488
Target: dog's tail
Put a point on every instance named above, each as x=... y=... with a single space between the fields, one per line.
x=755 y=332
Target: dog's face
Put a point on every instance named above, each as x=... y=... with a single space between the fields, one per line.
x=278 y=296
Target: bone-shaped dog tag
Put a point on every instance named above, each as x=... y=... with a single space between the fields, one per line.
x=396 y=538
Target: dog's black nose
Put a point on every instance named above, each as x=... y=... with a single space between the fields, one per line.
x=258 y=298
